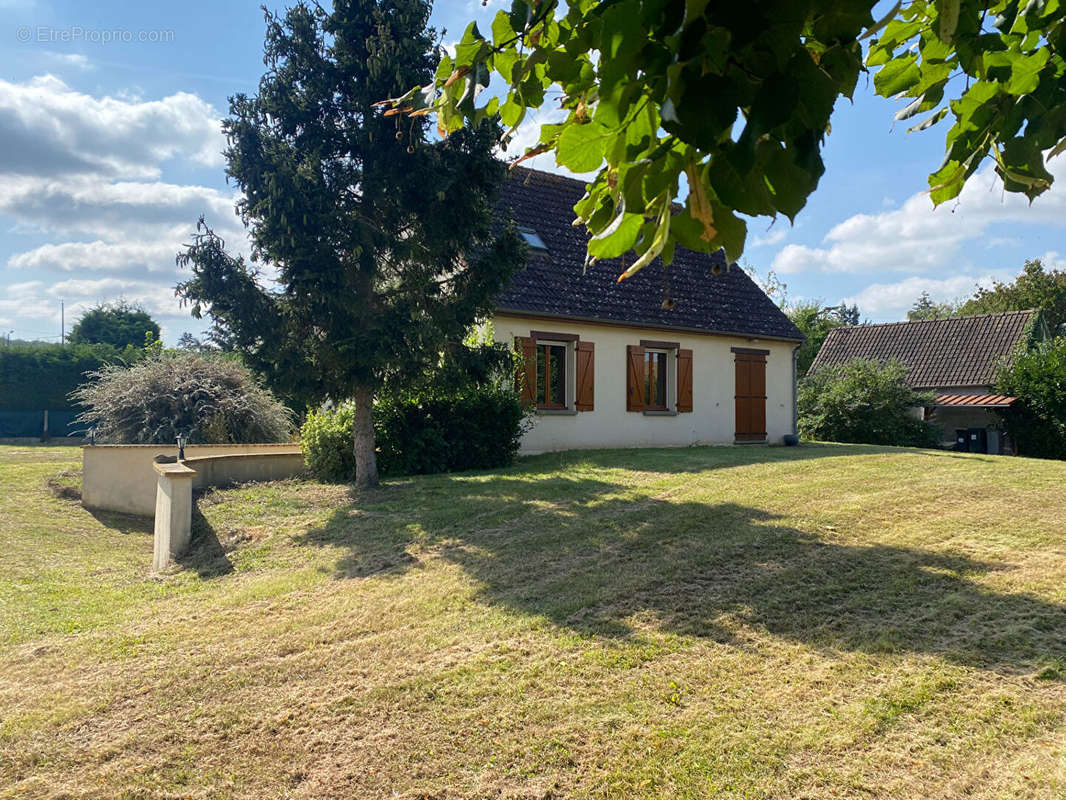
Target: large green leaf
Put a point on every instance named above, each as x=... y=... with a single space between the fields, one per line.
x=1025 y=71
x=617 y=238
x=580 y=147
x=898 y=75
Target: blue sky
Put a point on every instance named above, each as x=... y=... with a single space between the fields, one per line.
x=109 y=122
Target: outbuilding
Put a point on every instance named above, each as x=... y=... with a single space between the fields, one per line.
x=955 y=359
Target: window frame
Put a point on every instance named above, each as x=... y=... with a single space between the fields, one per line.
x=544 y=346
x=532 y=239
x=665 y=378
x=568 y=341
x=671 y=350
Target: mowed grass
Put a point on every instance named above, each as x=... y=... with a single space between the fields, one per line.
x=827 y=621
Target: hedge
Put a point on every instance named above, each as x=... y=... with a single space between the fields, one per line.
x=478 y=428
x=35 y=377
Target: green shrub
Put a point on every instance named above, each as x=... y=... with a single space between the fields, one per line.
x=865 y=402
x=476 y=428
x=213 y=400
x=326 y=440
x=1037 y=421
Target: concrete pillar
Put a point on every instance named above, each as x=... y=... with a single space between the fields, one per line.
x=173 y=512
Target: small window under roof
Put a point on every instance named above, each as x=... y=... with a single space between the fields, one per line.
x=532 y=238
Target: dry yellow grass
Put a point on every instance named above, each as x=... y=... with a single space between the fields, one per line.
x=723 y=622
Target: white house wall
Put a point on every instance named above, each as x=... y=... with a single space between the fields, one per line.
x=611 y=425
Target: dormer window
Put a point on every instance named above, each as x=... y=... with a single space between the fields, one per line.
x=532 y=237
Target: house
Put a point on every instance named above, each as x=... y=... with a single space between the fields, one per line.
x=695 y=354
x=955 y=359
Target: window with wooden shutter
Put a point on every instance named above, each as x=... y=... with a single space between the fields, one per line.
x=634 y=378
x=684 y=381
x=526 y=380
x=585 y=396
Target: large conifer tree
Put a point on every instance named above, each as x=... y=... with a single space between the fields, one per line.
x=379 y=241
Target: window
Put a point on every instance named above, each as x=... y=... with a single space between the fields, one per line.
x=558 y=374
x=531 y=237
x=658 y=378
x=551 y=375
x=655 y=372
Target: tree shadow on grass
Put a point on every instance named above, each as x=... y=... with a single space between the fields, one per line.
x=674 y=460
x=122 y=522
x=206 y=555
x=580 y=553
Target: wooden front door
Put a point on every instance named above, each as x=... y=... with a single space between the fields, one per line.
x=750 y=395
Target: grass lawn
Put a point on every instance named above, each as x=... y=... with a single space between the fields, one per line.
x=831 y=621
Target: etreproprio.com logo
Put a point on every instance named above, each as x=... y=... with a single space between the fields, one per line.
x=47 y=34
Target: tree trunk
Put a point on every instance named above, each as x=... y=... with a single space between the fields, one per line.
x=366 y=459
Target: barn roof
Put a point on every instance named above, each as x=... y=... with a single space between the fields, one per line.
x=555 y=282
x=938 y=353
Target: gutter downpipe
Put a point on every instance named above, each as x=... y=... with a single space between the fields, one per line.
x=795 y=393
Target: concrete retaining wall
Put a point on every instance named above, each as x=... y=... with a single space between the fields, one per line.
x=218 y=470
x=121 y=477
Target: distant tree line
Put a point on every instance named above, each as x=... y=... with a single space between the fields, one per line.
x=1035 y=288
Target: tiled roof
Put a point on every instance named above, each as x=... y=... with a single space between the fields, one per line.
x=938 y=353
x=974 y=400
x=555 y=283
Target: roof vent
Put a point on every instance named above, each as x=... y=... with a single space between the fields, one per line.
x=532 y=238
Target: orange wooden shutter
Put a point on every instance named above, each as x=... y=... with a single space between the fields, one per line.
x=526 y=380
x=586 y=376
x=634 y=378
x=684 y=381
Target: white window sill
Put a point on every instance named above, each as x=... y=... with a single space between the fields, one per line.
x=556 y=412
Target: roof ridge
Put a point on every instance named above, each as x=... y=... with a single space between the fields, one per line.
x=554 y=176
x=938 y=319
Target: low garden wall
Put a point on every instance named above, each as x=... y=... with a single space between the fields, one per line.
x=121 y=477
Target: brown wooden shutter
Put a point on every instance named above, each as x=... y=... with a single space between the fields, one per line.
x=684 y=381
x=634 y=378
x=526 y=379
x=585 y=353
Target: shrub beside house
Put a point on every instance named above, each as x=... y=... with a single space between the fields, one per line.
x=864 y=401
x=1036 y=420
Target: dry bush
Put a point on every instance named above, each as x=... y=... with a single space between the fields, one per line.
x=213 y=400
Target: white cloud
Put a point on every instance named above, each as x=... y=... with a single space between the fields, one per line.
x=33 y=306
x=75 y=60
x=99 y=256
x=49 y=129
x=1052 y=260
x=113 y=211
x=892 y=300
x=916 y=237
x=775 y=235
